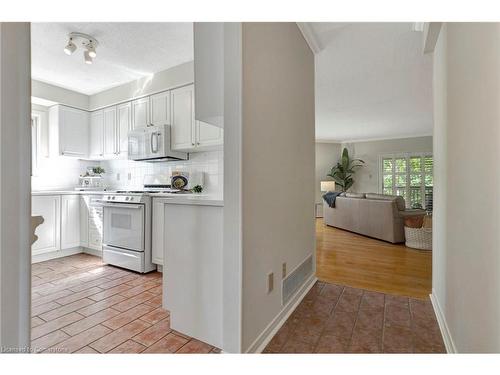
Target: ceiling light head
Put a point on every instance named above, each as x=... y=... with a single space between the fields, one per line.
x=70 y=47
x=88 y=59
x=91 y=50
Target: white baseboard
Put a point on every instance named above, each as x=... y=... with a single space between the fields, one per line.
x=97 y=253
x=268 y=333
x=445 y=332
x=56 y=254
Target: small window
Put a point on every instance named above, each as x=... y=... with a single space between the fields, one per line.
x=35 y=143
x=410 y=176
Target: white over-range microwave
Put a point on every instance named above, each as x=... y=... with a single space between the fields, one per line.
x=152 y=144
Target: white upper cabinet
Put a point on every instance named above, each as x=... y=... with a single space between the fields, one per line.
x=209 y=72
x=188 y=134
x=69 y=131
x=96 y=135
x=109 y=129
x=140 y=113
x=103 y=134
x=110 y=143
x=208 y=135
x=70 y=221
x=160 y=108
x=124 y=119
x=182 y=135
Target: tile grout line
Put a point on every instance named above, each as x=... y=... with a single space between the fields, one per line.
x=412 y=326
x=383 y=326
x=131 y=338
x=330 y=317
x=356 y=320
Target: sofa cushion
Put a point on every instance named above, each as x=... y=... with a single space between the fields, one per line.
x=400 y=201
x=355 y=195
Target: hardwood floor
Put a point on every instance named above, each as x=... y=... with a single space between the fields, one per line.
x=357 y=261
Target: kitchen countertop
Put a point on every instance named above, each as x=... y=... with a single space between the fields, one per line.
x=69 y=192
x=195 y=199
x=198 y=199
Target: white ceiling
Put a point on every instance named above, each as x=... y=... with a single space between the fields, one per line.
x=126 y=52
x=372 y=82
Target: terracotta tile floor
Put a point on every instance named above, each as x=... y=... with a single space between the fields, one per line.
x=337 y=319
x=80 y=305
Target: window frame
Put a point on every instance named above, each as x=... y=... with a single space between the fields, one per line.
x=407 y=156
x=36 y=142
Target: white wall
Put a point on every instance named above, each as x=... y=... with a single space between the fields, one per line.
x=466 y=264
x=210 y=163
x=277 y=166
x=177 y=76
x=233 y=228
x=59 y=95
x=366 y=179
x=327 y=155
x=15 y=197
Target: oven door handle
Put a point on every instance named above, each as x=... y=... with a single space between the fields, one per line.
x=124 y=205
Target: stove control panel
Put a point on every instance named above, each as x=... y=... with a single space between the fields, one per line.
x=124 y=198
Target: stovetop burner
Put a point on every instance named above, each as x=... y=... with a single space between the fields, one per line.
x=153 y=191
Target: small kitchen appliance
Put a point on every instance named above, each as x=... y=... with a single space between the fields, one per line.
x=152 y=144
x=90 y=183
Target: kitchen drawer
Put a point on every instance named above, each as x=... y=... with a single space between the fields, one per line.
x=132 y=260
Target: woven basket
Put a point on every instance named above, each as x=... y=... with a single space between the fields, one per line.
x=419 y=238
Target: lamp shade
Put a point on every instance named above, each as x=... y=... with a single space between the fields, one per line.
x=327 y=185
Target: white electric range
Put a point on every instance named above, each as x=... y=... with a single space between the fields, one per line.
x=127 y=230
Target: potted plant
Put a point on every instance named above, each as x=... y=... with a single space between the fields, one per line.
x=343 y=172
x=98 y=171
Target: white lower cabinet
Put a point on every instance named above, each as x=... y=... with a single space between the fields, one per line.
x=95 y=223
x=70 y=221
x=49 y=232
x=84 y=220
x=157 y=231
x=192 y=277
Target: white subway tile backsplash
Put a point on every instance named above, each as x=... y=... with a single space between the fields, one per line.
x=59 y=173
x=210 y=163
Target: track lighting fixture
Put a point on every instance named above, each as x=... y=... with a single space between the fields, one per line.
x=70 y=47
x=87 y=42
